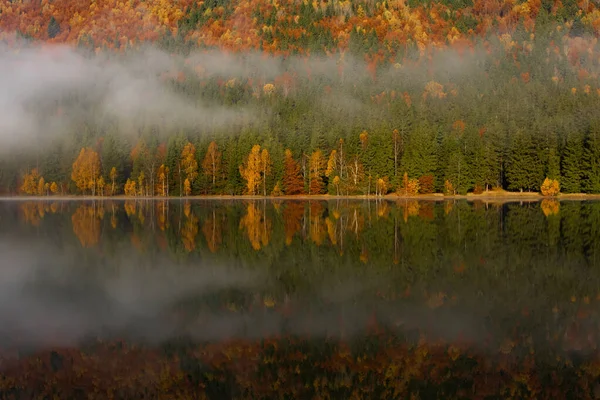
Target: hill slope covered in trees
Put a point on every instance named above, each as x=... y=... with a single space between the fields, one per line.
x=268 y=97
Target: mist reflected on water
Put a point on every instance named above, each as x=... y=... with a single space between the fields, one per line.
x=493 y=280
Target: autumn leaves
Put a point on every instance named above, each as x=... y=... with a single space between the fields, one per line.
x=34 y=184
x=255 y=170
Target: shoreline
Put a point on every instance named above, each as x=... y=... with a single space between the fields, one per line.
x=488 y=197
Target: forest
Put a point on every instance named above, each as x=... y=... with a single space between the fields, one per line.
x=276 y=98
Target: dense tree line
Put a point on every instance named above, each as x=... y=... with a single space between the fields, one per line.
x=496 y=110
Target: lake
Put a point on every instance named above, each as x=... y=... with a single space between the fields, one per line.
x=299 y=299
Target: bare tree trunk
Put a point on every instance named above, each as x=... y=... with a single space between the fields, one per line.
x=214 y=169
x=180 y=188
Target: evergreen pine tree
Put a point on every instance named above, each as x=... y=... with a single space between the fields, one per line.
x=571 y=163
x=591 y=160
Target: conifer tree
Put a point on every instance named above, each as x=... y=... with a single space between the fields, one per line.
x=292 y=178
x=571 y=164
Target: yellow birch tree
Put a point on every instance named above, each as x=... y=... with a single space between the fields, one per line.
x=251 y=170
x=86 y=170
x=212 y=162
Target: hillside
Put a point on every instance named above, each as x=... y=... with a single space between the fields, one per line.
x=157 y=97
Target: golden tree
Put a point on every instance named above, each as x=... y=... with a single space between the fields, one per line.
x=163 y=180
x=336 y=183
x=130 y=189
x=550 y=187
x=86 y=170
x=251 y=170
x=187 y=187
x=189 y=164
x=141 y=180
x=316 y=166
x=212 y=162
x=41 y=189
x=53 y=187
x=30 y=182
x=100 y=184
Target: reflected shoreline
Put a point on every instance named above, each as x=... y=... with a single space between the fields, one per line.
x=516 y=197
x=432 y=291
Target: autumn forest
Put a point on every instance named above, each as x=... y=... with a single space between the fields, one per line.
x=286 y=98
x=267 y=199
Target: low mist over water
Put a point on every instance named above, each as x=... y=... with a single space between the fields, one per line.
x=488 y=281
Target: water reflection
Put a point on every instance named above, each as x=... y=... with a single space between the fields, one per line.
x=256 y=299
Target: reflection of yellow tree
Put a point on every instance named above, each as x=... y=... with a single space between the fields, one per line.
x=550 y=207
x=426 y=211
x=130 y=208
x=141 y=213
x=162 y=215
x=212 y=232
x=383 y=209
x=86 y=225
x=410 y=208
x=448 y=206
x=292 y=215
x=317 y=231
x=257 y=226
x=189 y=230
x=32 y=213
x=331 y=230
x=364 y=255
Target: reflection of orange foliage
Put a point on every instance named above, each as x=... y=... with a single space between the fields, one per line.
x=212 y=232
x=331 y=230
x=32 y=213
x=86 y=225
x=136 y=242
x=130 y=208
x=550 y=207
x=292 y=215
x=426 y=211
x=162 y=217
x=114 y=221
x=317 y=231
x=189 y=230
x=364 y=255
x=460 y=268
x=383 y=209
x=436 y=300
x=459 y=125
x=435 y=90
x=411 y=208
x=257 y=226
x=448 y=206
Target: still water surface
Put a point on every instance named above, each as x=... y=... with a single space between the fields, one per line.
x=299 y=299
